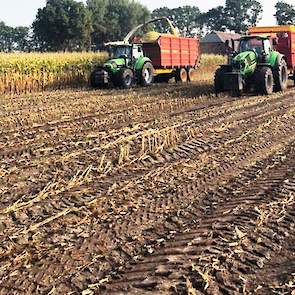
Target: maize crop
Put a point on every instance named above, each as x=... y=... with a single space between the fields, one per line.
x=33 y=72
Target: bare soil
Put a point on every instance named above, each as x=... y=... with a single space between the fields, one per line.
x=162 y=190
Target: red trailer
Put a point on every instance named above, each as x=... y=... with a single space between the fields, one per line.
x=285 y=36
x=173 y=56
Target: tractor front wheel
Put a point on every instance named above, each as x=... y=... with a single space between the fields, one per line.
x=219 y=81
x=281 y=76
x=124 y=79
x=96 y=79
x=264 y=81
x=147 y=74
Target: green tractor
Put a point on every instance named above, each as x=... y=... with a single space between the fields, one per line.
x=126 y=65
x=256 y=66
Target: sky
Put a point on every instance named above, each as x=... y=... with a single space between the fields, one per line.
x=23 y=12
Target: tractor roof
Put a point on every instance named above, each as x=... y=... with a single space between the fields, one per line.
x=254 y=37
x=118 y=43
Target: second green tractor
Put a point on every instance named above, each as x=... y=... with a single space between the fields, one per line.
x=126 y=64
x=255 y=66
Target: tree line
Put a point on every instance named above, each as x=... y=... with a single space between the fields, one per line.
x=68 y=25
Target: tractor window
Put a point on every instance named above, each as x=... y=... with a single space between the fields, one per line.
x=137 y=52
x=251 y=44
x=267 y=47
x=120 y=51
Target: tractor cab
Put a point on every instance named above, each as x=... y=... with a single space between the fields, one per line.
x=131 y=52
x=119 y=51
x=261 y=46
x=123 y=55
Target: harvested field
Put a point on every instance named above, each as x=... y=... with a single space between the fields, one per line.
x=161 y=190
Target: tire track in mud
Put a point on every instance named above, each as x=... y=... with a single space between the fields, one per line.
x=185 y=194
x=120 y=114
x=186 y=149
x=91 y=153
x=117 y=107
x=191 y=111
x=229 y=242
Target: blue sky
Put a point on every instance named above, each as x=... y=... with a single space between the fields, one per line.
x=22 y=12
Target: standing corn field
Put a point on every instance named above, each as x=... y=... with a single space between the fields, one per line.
x=31 y=72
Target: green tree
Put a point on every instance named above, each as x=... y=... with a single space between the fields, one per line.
x=285 y=13
x=236 y=15
x=241 y=14
x=215 y=19
x=185 y=18
x=113 y=19
x=63 y=25
x=14 y=38
x=21 y=38
x=6 y=37
x=97 y=9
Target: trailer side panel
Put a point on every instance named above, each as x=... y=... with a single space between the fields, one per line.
x=173 y=52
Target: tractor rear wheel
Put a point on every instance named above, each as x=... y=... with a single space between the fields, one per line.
x=264 y=81
x=181 y=75
x=281 y=76
x=147 y=74
x=219 y=81
x=124 y=78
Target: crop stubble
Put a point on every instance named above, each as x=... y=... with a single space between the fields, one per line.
x=156 y=190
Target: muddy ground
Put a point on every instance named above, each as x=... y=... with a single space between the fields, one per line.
x=163 y=190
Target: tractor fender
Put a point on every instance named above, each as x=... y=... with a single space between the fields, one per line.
x=140 y=62
x=276 y=60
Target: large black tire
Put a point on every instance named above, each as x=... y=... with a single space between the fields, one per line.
x=280 y=74
x=146 y=75
x=124 y=79
x=219 y=80
x=94 y=83
x=190 y=74
x=181 y=75
x=264 y=81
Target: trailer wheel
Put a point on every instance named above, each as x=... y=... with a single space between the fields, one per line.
x=190 y=74
x=181 y=75
x=219 y=81
x=124 y=79
x=281 y=76
x=264 y=81
x=147 y=74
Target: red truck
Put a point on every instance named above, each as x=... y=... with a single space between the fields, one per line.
x=284 y=37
